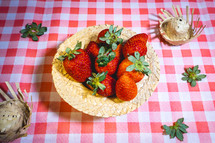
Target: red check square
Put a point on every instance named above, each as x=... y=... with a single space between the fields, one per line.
x=170 y=69
x=175 y=106
x=186 y=53
x=202 y=127
x=154 y=106
x=172 y=87
x=108 y=10
x=133 y=127
x=53 y=37
x=167 y=53
x=86 y=127
x=31 y=53
x=126 y=11
x=65 y=107
x=91 y=10
x=63 y=127
x=205 y=53
x=43 y=106
x=40 y=128
x=11 y=52
x=156 y=127
x=110 y=127
x=209 y=69
x=197 y=106
x=7 y=69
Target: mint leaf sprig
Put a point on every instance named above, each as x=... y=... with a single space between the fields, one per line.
x=191 y=75
x=33 y=30
x=177 y=129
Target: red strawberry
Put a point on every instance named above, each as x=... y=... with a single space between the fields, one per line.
x=102 y=84
x=126 y=88
x=111 y=37
x=77 y=63
x=118 y=51
x=106 y=61
x=102 y=34
x=92 y=49
x=136 y=43
x=135 y=67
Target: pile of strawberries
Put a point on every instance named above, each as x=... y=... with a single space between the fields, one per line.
x=106 y=66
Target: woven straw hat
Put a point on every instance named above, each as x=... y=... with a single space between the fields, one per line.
x=15 y=115
x=81 y=98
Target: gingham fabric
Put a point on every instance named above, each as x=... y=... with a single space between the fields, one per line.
x=53 y=120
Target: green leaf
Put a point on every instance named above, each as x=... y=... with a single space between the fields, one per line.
x=34 y=25
x=102 y=86
x=189 y=80
x=182 y=129
x=107 y=34
x=185 y=74
x=78 y=45
x=142 y=59
x=114 y=30
x=111 y=29
x=184 y=78
x=120 y=40
x=201 y=76
x=76 y=52
x=137 y=55
x=172 y=134
x=108 y=41
x=179 y=121
x=39 y=26
x=118 y=33
x=62 y=57
x=24 y=35
x=94 y=74
x=34 y=38
x=193 y=83
x=68 y=50
x=132 y=59
x=190 y=70
x=179 y=135
x=102 y=50
x=184 y=126
x=198 y=71
x=167 y=129
x=95 y=90
x=195 y=68
x=23 y=31
x=114 y=46
x=43 y=29
x=111 y=56
x=145 y=63
x=102 y=77
x=102 y=38
x=130 y=68
x=70 y=58
x=27 y=26
x=39 y=33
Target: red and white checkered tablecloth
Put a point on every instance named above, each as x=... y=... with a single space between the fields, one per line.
x=53 y=120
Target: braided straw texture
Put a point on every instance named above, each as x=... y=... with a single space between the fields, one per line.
x=81 y=98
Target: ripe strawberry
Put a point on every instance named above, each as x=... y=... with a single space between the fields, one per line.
x=126 y=88
x=118 y=51
x=102 y=84
x=92 y=49
x=111 y=37
x=106 y=61
x=77 y=63
x=102 y=34
x=136 y=43
x=135 y=67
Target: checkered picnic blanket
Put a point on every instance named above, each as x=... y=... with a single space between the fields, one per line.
x=53 y=120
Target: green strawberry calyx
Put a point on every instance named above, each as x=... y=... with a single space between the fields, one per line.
x=71 y=53
x=111 y=37
x=95 y=81
x=139 y=64
x=105 y=57
x=191 y=75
